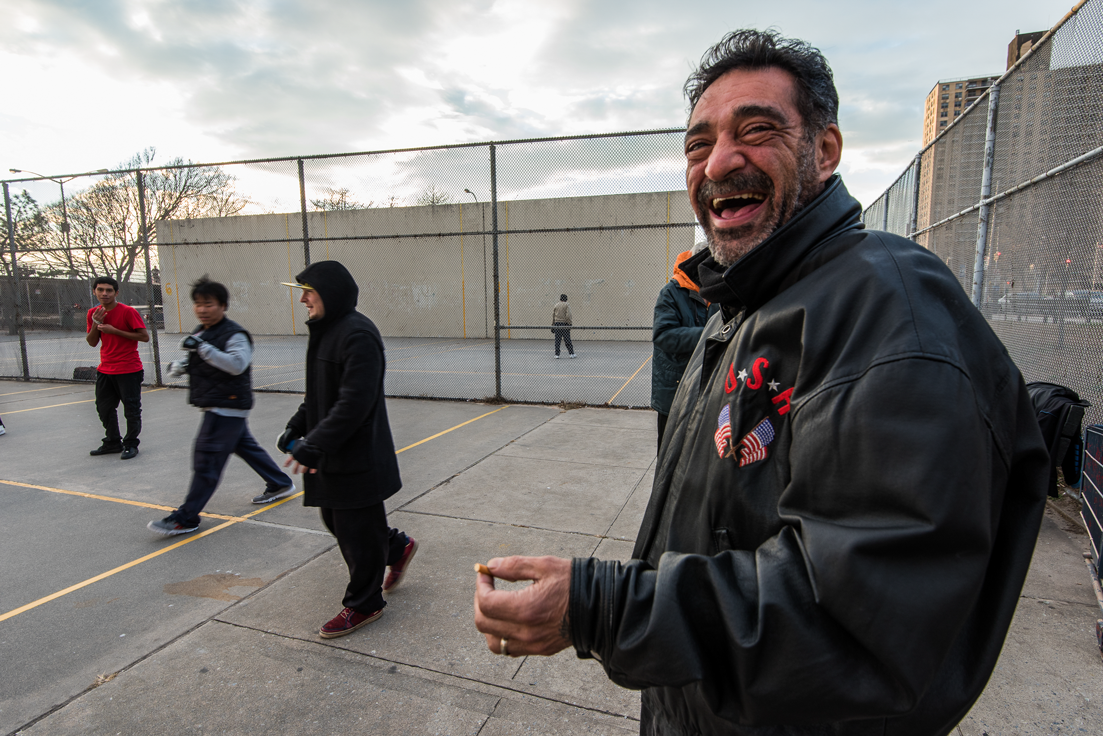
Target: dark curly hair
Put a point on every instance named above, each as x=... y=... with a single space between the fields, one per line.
x=817 y=101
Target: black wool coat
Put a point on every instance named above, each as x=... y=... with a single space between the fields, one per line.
x=343 y=417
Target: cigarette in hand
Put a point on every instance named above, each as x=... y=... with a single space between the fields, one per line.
x=479 y=567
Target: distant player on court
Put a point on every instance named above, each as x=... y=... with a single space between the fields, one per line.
x=117 y=329
x=220 y=353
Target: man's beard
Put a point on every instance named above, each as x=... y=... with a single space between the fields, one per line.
x=729 y=246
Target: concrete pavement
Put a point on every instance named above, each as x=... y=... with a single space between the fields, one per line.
x=219 y=634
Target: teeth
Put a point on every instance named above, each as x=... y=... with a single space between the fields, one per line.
x=717 y=202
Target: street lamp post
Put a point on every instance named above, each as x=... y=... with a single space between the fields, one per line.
x=486 y=298
x=64 y=209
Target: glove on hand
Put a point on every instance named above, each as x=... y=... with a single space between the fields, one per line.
x=178 y=368
x=286 y=441
x=190 y=343
x=306 y=454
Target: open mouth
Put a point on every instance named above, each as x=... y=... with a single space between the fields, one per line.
x=727 y=208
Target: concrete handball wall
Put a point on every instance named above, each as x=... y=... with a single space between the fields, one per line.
x=439 y=285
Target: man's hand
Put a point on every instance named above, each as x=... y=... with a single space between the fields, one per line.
x=190 y=343
x=298 y=467
x=286 y=440
x=178 y=368
x=98 y=315
x=534 y=619
x=109 y=330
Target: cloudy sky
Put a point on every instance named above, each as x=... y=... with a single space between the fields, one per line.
x=88 y=84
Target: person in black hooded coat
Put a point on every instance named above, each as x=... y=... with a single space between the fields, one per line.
x=340 y=439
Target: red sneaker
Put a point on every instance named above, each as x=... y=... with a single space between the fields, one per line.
x=398 y=570
x=346 y=622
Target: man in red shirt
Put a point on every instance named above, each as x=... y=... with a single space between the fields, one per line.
x=119 y=377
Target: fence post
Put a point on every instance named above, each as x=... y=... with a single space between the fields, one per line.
x=302 y=204
x=497 y=289
x=913 y=222
x=885 y=217
x=985 y=193
x=18 y=316
x=143 y=235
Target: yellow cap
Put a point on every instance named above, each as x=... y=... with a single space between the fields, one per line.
x=298 y=286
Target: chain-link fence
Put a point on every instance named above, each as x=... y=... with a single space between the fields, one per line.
x=461 y=254
x=1010 y=197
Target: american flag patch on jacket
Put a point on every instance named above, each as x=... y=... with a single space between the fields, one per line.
x=753 y=446
x=724 y=431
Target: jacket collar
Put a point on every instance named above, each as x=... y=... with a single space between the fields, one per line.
x=756 y=277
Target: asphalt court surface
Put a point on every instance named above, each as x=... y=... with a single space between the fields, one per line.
x=89 y=590
x=216 y=632
x=606 y=372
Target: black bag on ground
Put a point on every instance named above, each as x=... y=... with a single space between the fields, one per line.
x=1060 y=412
x=84 y=373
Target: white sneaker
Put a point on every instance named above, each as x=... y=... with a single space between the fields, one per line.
x=2 y=430
x=557 y=357
x=573 y=355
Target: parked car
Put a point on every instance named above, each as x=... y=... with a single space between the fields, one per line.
x=1094 y=302
x=1022 y=302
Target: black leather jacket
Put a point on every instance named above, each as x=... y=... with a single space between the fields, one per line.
x=845 y=505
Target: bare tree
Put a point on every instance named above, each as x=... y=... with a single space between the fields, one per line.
x=338 y=199
x=31 y=229
x=433 y=196
x=104 y=223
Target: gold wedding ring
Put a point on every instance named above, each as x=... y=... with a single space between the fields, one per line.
x=503 y=647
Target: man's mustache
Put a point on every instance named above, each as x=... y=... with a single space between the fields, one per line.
x=755 y=182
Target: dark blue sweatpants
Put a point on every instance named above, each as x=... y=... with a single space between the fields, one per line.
x=218 y=438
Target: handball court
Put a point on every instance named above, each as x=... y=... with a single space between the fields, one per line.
x=106 y=628
x=606 y=372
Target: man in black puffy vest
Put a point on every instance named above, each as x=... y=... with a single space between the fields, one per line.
x=220 y=353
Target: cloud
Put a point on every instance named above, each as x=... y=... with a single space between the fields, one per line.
x=211 y=80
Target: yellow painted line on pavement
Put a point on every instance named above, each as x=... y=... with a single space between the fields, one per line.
x=104 y=575
x=54 y=596
x=628 y=381
x=70 y=403
x=438 y=434
x=31 y=391
x=229 y=522
x=126 y=501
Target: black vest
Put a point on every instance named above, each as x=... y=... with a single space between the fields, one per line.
x=213 y=387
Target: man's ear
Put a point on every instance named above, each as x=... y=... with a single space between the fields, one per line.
x=829 y=151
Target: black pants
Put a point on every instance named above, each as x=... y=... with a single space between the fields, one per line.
x=111 y=388
x=563 y=332
x=368 y=546
x=218 y=438
x=662 y=429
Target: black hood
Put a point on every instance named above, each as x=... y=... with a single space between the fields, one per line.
x=335 y=285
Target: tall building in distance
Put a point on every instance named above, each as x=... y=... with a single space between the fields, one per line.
x=1022 y=43
x=948 y=99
